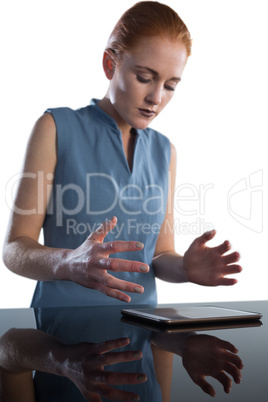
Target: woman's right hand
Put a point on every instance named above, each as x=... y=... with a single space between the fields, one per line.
x=88 y=264
x=84 y=365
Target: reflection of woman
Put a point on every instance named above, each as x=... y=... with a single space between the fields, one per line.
x=105 y=163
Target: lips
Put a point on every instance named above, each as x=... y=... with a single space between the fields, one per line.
x=147 y=112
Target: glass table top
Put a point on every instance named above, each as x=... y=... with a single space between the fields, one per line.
x=229 y=362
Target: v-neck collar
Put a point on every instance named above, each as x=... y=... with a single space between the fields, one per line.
x=106 y=118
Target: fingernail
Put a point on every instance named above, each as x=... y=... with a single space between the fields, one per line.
x=137 y=355
x=144 y=268
x=125 y=300
x=141 y=377
x=138 y=290
x=139 y=245
x=209 y=232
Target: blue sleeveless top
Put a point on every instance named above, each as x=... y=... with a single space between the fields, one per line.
x=92 y=183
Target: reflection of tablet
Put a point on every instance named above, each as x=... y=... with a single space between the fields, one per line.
x=190 y=315
x=170 y=329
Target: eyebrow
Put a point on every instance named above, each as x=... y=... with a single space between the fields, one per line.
x=177 y=79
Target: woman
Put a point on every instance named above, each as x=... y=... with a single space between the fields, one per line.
x=103 y=162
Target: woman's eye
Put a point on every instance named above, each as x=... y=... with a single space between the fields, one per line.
x=169 y=88
x=141 y=79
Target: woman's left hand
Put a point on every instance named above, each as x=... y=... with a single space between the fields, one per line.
x=209 y=266
x=206 y=355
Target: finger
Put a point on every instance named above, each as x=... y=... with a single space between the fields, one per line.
x=120 y=246
x=226 y=282
x=231 y=258
x=206 y=237
x=228 y=346
x=232 y=269
x=112 y=344
x=224 y=247
x=205 y=386
x=225 y=381
x=113 y=283
x=119 y=265
x=228 y=270
x=100 y=233
x=234 y=372
x=109 y=288
x=235 y=360
x=119 y=357
x=112 y=293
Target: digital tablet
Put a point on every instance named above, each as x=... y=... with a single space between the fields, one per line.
x=196 y=327
x=190 y=315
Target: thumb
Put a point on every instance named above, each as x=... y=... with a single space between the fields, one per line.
x=206 y=236
x=100 y=233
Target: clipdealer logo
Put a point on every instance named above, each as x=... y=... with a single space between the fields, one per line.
x=132 y=200
x=245 y=201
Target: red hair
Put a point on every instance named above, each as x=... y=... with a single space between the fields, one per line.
x=148 y=19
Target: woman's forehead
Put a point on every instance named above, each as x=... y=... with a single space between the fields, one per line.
x=156 y=53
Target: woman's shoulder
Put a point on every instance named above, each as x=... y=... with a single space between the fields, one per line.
x=66 y=111
x=156 y=139
x=69 y=119
x=157 y=146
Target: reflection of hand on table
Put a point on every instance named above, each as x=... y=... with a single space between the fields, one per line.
x=24 y=350
x=205 y=355
x=85 y=364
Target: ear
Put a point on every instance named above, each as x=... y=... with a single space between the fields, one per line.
x=108 y=65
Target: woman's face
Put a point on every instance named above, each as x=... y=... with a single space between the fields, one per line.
x=144 y=81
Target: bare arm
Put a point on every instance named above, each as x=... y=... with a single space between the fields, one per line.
x=200 y=264
x=167 y=264
x=22 y=253
x=88 y=264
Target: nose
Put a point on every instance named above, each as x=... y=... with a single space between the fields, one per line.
x=154 y=97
